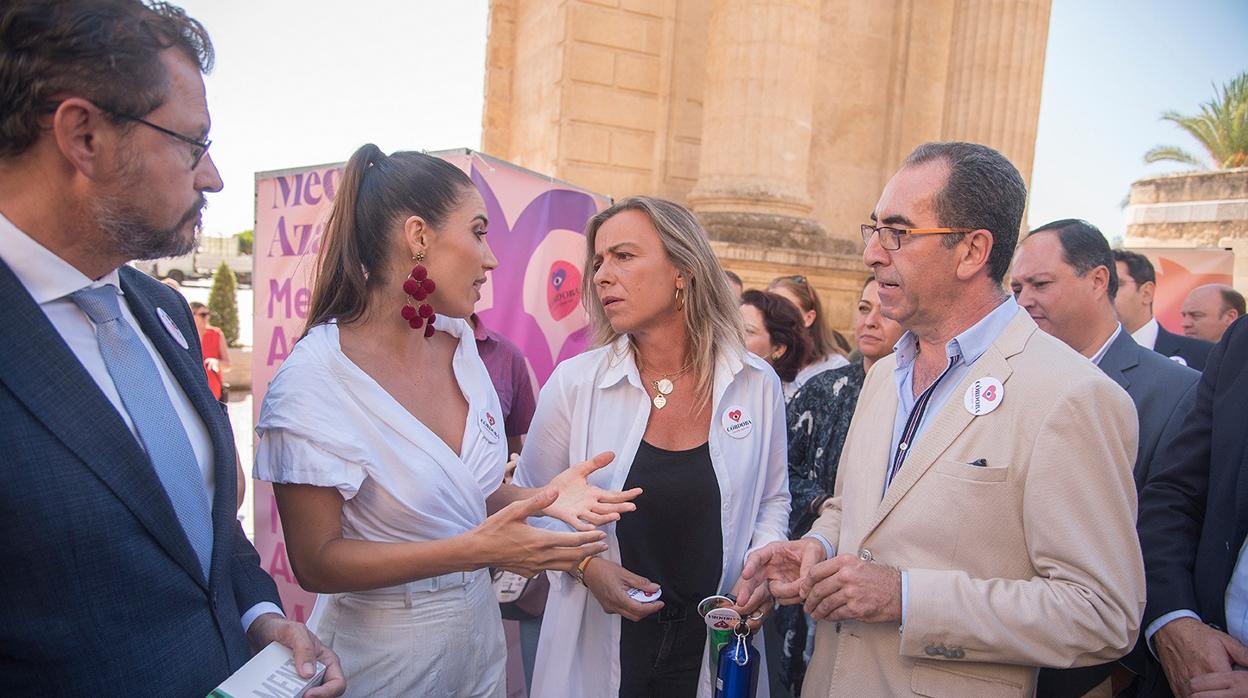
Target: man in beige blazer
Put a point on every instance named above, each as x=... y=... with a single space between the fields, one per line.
x=983 y=522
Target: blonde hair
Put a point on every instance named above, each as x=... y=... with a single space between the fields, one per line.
x=712 y=318
x=827 y=341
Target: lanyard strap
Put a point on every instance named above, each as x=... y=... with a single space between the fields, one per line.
x=913 y=422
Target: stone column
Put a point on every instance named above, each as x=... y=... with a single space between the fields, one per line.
x=996 y=68
x=757 y=114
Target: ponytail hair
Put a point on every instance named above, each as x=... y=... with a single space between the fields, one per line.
x=376 y=193
x=825 y=340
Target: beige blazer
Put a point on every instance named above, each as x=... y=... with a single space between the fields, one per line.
x=1030 y=561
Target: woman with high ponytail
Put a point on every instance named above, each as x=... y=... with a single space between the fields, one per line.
x=383 y=437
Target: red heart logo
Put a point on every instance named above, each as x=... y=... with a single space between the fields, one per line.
x=563 y=289
x=991 y=393
x=735 y=415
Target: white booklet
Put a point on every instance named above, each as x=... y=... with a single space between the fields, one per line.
x=269 y=674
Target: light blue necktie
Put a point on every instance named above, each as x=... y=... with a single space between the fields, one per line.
x=160 y=429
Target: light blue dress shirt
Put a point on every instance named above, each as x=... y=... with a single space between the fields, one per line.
x=968 y=347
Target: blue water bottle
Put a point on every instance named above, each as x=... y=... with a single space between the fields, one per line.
x=739 y=664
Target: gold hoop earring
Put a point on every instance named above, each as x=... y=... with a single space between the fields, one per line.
x=680 y=300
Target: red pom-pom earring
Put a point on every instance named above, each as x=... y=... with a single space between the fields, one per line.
x=418 y=286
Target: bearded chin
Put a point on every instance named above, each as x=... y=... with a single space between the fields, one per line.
x=129 y=235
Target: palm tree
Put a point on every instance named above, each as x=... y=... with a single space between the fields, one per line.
x=1221 y=127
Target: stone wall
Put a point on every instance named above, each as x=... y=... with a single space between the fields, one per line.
x=1191 y=209
x=808 y=107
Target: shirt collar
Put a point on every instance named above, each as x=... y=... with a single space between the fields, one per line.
x=1100 y=354
x=1146 y=336
x=970 y=344
x=620 y=364
x=46 y=276
x=479 y=331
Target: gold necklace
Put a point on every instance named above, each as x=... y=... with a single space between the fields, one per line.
x=664 y=386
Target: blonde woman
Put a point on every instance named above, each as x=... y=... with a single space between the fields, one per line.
x=696 y=422
x=830 y=346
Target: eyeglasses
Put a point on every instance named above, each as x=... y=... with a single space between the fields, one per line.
x=198 y=148
x=890 y=238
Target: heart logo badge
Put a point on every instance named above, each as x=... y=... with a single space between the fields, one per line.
x=736 y=422
x=563 y=290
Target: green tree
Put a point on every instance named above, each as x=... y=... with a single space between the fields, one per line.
x=1221 y=128
x=223 y=303
x=246 y=241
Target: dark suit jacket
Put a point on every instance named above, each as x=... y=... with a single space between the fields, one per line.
x=100 y=589
x=1163 y=392
x=1194 y=351
x=1194 y=507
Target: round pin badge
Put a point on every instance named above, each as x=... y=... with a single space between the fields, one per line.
x=711 y=603
x=722 y=619
x=172 y=328
x=984 y=396
x=736 y=422
x=642 y=596
x=489 y=425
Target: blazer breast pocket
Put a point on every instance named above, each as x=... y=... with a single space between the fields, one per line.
x=973 y=473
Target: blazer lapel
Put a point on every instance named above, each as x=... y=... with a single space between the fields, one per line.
x=1122 y=356
x=44 y=374
x=953 y=418
x=187 y=370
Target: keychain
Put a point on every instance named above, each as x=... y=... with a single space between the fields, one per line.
x=739 y=663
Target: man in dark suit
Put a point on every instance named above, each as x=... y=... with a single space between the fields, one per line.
x=1137 y=284
x=125 y=569
x=1064 y=277
x=1193 y=520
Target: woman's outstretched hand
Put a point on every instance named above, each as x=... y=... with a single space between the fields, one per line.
x=505 y=540
x=584 y=506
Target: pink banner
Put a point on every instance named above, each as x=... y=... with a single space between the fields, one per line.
x=533 y=298
x=1181 y=270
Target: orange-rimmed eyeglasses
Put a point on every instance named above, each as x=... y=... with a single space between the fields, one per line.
x=890 y=238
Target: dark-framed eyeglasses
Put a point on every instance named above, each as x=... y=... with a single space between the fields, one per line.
x=198 y=148
x=890 y=238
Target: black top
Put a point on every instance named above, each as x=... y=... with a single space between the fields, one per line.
x=674 y=538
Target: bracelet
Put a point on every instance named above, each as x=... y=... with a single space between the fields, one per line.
x=579 y=574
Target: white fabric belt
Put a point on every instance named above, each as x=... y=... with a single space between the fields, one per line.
x=428 y=584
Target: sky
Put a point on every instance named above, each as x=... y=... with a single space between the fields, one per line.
x=304 y=82
x=1112 y=67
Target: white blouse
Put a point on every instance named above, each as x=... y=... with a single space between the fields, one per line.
x=827 y=363
x=326 y=422
x=595 y=402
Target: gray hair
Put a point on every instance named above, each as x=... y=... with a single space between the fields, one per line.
x=984 y=191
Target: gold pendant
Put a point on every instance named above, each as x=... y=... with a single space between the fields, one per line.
x=664 y=386
x=660 y=401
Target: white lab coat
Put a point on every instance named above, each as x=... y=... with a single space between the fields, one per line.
x=594 y=403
